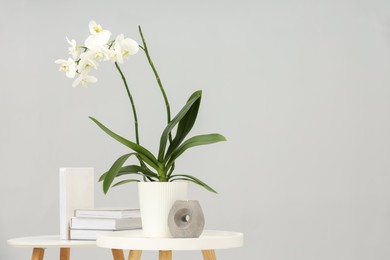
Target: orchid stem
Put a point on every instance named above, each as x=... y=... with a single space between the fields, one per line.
x=131 y=101
x=145 y=49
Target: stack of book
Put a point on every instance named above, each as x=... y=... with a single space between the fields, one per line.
x=87 y=223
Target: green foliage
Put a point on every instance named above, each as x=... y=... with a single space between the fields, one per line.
x=159 y=168
x=177 y=119
x=184 y=121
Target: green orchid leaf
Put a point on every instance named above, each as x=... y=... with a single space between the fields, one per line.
x=103 y=176
x=184 y=127
x=125 y=181
x=146 y=169
x=165 y=135
x=132 y=169
x=192 y=142
x=113 y=172
x=186 y=177
x=137 y=169
x=146 y=156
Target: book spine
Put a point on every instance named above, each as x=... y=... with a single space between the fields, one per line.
x=107 y=214
x=76 y=191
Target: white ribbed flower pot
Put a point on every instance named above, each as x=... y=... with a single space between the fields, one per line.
x=156 y=200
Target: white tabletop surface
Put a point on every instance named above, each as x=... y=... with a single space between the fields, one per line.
x=134 y=240
x=48 y=242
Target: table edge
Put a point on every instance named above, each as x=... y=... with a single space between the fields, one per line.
x=55 y=242
x=234 y=241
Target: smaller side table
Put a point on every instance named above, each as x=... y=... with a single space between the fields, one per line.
x=40 y=243
x=135 y=242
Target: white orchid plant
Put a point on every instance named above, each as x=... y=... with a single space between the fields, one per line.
x=99 y=47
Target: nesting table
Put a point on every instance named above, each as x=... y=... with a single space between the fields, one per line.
x=134 y=241
x=40 y=243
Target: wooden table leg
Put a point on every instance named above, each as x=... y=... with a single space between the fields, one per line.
x=118 y=254
x=165 y=255
x=38 y=254
x=135 y=254
x=209 y=255
x=64 y=253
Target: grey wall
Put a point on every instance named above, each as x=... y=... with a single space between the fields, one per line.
x=299 y=88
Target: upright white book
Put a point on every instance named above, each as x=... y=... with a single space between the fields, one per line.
x=106 y=223
x=108 y=213
x=76 y=191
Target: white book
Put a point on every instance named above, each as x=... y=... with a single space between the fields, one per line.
x=86 y=234
x=108 y=213
x=76 y=191
x=82 y=234
x=106 y=223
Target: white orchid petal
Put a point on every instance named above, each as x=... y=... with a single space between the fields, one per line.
x=131 y=46
x=60 y=61
x=105 y=36
x=75 y=54
x=97 y=40
x=77 y=81
x=117 y=47
x=90 y=42
x=73 y=49
x=120 y=38
x=69 y=41
x=91 y=79
x=71 y=74
x=94 y=63
x=87 y=79
x=117 y=57
x=91 y=26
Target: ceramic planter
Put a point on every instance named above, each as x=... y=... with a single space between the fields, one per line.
x=156 y=200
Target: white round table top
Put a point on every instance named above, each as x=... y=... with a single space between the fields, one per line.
x=134 y=240
x=49 y=242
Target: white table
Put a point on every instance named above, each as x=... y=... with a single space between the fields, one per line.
x=40 y=243
x=134 y=241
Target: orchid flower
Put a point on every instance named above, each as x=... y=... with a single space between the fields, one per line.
x=100 y=53
x=127 y=45
x=86 y=62
x=98 y=37
x=84 y=79
x=67 y=66
x=123 y=47
x=74 y=50
x=116 y=54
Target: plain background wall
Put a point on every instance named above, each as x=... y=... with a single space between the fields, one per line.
x=299 y=88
